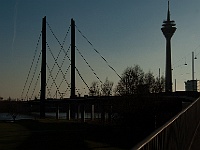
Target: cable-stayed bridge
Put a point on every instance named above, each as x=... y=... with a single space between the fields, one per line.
x=55 y=67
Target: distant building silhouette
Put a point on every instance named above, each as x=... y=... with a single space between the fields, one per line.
x=168 y=30
x=192 y=85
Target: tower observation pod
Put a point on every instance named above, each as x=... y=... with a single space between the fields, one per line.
x=168 y=30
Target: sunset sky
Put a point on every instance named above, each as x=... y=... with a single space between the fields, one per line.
x=124 y=32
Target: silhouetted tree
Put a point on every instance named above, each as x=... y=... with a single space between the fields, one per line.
x=159 y=84
x=149 y=80
x=107 y=88
x=131 y=78
x=135 y=81
x=94 y=89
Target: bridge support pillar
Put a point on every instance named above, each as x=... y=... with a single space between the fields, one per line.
x=110 y=114
x=92 y=112
x=82 y=113
x=68 y=112
x=78 y=111
x=57 y=112
x=103 y=113
x=73 y=109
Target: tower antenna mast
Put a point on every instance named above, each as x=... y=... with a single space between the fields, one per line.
x=168 y=29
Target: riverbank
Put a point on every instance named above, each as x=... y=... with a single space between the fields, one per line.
x=62 y=134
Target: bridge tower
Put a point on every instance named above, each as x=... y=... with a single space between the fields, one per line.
x=43 y=70
x=73 y=81
x=168 y=30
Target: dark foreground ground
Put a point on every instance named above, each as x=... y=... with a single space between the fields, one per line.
x=61 y=134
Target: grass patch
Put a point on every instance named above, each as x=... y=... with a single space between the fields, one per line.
x=62 y=134
x=12 y=135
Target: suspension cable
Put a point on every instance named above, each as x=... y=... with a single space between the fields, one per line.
x=64 y=50
x=33 y=74
x=56 y=36
x=50 y=73
x=82 y=78
x=98 y=52
x=89 y=65
x=60 y=67
x=61 y=45
x=49 y=92
x=83 y=57
x=35 y=85
x=53 y=33
x=64 y=79
x=36 y=49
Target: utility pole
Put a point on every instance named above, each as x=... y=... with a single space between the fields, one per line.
x=193 y=66
x=43 y=71
x=194 y=82
x=175 y=86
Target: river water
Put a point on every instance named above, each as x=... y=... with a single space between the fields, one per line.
x=7 y=116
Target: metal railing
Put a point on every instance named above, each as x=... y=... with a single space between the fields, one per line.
x=177 y=134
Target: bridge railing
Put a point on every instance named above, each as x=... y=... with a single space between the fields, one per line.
x=177 y=134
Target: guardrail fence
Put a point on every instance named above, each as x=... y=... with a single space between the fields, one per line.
x=177 y=134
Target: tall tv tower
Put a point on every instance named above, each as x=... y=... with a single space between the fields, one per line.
x=168 y=30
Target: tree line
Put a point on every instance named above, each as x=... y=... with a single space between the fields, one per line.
x=133 y=81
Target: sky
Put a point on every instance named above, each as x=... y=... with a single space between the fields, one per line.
x=124 y=32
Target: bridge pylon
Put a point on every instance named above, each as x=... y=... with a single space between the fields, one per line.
x=43 y=70
x=73 y=80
